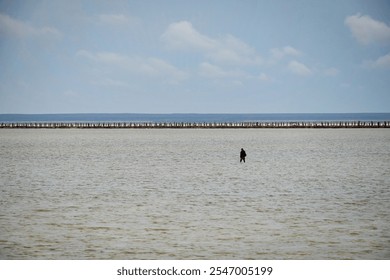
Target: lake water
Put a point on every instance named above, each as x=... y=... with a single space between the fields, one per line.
x=183 y=194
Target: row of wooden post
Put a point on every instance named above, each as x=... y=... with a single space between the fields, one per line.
x=273 y=124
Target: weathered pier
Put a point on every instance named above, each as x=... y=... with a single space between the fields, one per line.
x=178 y=125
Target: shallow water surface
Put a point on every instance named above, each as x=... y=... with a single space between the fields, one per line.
x=182 y=194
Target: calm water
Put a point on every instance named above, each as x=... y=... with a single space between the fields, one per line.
x=182 y=194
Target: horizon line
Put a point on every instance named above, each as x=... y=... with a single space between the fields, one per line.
x=284 y=113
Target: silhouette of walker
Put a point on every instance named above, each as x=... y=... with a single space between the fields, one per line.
x=242 y=155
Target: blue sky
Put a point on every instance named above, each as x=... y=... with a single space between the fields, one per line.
x=241 y=56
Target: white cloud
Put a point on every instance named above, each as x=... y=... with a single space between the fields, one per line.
x=367 y=30
x=151 y=67
x=231 y=50
x=225 y=50
x=183 y=36
x=17 y=28
x=279 y=53
x=299 y=68
x=104 y=57
x=212 y=71
x=381 y=62
x=159 y=67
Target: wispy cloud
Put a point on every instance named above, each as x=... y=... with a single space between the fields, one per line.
x=367 y=30
x=227 y=50
x=212 y=71
x=150 y=66
x=183 y=36
x=381 y=62
x=20 y=29
x=279 y=53
x=299 y=68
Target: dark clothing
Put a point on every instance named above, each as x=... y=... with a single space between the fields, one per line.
x=242 y=155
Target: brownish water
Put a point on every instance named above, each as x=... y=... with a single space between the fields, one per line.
x=182 y=194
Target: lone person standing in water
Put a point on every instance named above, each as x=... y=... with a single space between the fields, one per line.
x=242 y=155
